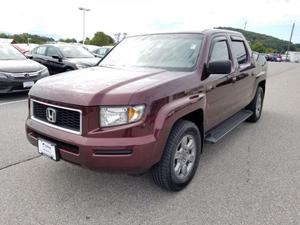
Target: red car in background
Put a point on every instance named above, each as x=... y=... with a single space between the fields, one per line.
x=25 y=48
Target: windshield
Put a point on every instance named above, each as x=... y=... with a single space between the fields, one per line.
x=8 y=52
x=75 y=52
x=167 y=51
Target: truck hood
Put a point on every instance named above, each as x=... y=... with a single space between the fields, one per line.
x=96 y=85
x=19 y=66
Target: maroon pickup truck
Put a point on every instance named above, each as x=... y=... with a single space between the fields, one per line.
x=151 y=103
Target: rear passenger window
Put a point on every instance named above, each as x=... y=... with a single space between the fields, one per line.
x=240 y=52
x=41 y=50
x=220 y=51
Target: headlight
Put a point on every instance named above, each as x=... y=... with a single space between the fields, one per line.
x=44 y=72
x=114 y=116
x=81 y=66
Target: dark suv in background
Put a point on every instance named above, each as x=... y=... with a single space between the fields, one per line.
x=63 y=57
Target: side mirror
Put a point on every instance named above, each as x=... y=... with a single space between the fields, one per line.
x=96 y=55
x=28 y=55
x=57 y=57
x=219 y=67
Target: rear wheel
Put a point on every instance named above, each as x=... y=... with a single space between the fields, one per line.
x=180 y=158
x=256 y=105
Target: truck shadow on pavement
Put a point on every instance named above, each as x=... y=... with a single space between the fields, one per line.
x=13 y=97
x=86 y=185
x=223 y=174
x=90 y=184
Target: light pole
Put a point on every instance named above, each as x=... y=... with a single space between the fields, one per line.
x=83 y=26
x=288 y=48
x=245 y=25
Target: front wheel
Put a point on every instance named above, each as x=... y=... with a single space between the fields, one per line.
x=256 y=105
x=180 y=158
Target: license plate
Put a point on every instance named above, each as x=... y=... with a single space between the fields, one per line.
x=28 y=84
x=47 y=148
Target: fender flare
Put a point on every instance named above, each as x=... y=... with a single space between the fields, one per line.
x=172 y=112
x=177 y=109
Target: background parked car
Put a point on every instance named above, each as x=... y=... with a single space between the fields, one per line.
x=102 y=51
x=268 y=57
x=90 y=48
x=17 y=73
x=63 y=57
x=276 y=57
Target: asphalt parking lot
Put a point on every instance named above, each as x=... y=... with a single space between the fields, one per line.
x=252 y=176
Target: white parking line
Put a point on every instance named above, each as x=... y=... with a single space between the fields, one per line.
x=12 y=102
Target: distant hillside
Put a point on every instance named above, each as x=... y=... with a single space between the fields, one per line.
x=265 y=43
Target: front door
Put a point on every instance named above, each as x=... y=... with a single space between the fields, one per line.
x=219 y=87
x=55 y=64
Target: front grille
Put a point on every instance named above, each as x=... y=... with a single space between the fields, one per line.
x=65 y=118
x=25 y=75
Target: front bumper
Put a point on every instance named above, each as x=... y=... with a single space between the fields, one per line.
x=130 y=154
x=11 y=84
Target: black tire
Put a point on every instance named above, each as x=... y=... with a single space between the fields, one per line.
x=254 y=104
x=163 y=172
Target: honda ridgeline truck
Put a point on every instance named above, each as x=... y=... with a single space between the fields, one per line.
x=150 y=104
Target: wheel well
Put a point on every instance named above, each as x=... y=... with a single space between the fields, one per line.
x=263 y=85
x=197 y=118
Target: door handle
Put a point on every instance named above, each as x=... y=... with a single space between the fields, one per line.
x=195 y=98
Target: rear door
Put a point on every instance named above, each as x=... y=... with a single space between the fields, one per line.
x=39 y=54
x=244 y=76
x=219 y=87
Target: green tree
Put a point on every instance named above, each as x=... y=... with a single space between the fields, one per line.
x=100 y=39
x=258 y=47
x=2 y=35
x=68 y=40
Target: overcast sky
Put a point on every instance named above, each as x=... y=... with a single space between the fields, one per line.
x=61 y=18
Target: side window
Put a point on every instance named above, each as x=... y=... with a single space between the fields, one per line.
x=240 y=52
x=220 y=51
x=41 y=50
x=34 y=50
x=51 y=51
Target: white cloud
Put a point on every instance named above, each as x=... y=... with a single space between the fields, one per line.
x=141 y=16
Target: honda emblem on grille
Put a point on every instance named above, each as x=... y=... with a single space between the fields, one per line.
x=26 y=75
x=51 y=115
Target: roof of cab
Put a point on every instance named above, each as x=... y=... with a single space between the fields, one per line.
x=207 y=32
